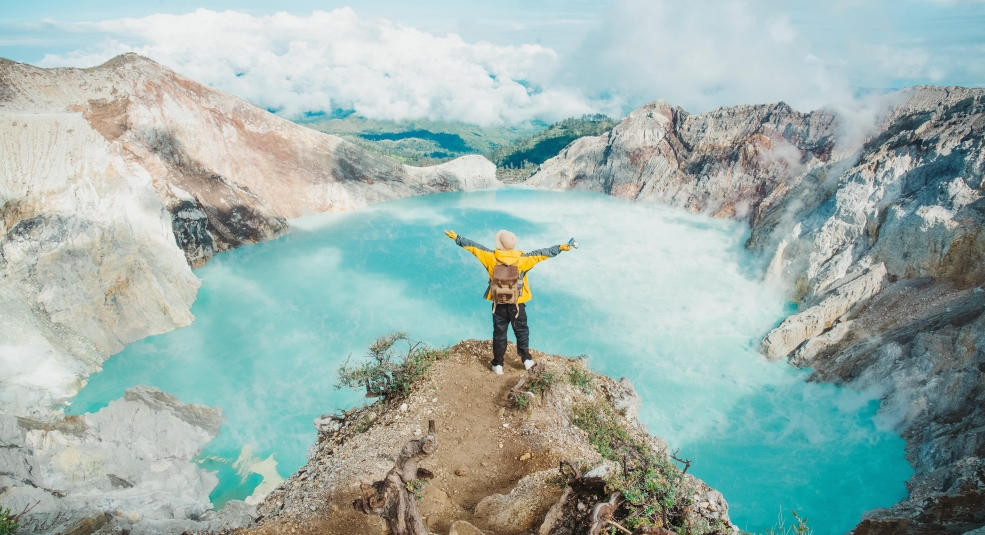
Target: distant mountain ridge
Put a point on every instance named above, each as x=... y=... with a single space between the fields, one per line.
x=880 y=237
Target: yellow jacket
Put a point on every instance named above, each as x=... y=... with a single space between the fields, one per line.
x=523 y=261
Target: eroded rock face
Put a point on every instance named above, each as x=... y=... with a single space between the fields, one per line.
x=127 y=465
x=879 y=238
x=723 y=163
x=115 y=180
x=524 y=508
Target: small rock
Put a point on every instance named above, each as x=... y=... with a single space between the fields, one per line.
x=403 y=407
x=506 y=425
x=502 y=411
x=371 y=416
x=460 y=472
x=581 y=506
x=525 y=456
x=500 y=445
x=434 y=400
x=604 y=470
x=461 y=527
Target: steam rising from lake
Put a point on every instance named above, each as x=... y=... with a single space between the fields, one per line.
x=668 y=299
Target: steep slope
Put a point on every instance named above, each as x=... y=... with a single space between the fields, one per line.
x=115 y=180
x=879 y=238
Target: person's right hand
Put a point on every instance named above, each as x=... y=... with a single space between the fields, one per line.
x=451 y=234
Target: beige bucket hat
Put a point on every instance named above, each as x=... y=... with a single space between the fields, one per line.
x=505 y=240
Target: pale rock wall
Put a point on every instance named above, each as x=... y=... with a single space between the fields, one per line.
x=87 y=258
x=127 y=465
x=114 y=180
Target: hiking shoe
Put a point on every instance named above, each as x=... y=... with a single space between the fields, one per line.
x=528 y=364
x=498 y=370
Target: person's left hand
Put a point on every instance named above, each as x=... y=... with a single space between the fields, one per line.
x=565 y=247
x=451 y=234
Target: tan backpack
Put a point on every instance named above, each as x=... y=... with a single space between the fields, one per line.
x=506 y=285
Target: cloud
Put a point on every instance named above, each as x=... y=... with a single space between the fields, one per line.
x=336 y=60
x=703 y=54
x=700 y=55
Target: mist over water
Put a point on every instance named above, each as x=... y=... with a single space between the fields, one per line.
x=668 y=299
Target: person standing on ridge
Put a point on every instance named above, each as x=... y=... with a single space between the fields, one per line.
x=508 y=289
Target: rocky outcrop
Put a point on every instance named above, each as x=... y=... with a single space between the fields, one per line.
x=125 y=466
x=879 y=238
x=116 y=180
x=818 y=319
x=497 y=467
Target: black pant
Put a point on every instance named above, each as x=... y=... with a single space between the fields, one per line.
x=503 y=317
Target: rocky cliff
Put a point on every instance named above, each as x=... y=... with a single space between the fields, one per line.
x=878 y=234
x=115 y=181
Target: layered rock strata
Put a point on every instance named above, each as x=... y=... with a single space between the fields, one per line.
x=125 y=467
x=877 y=231
x=116 y=180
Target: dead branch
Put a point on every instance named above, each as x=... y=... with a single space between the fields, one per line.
x=642 y=530
x=602 y=513
x=618 y=526
x=576 y=475
x=27 y=509
x=516 y=391
x=685 y=462
x=392 y=498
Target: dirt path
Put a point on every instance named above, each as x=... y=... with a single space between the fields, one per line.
x=481 y=442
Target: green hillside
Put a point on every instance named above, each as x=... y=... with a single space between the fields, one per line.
x=516 y=150
x=422 y=142
x=517 y=161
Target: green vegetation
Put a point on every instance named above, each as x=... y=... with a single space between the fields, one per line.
x=536 y=385
x=8 y=522
x=580 y=378
x=516 y=150
x=541 y=382
x=520 y=159
x=421 y=142
x=416 y=487
x=654 y=488
x=798 y=527
x=386 y=375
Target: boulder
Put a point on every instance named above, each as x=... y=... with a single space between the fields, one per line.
x=524 y=508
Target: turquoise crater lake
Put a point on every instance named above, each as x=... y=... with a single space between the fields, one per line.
x=668 y=299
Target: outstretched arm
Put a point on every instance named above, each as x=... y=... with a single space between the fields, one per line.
x=532 y=258
x=483 y=253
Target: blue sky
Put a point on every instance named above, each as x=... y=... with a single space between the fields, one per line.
x=511 y=61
